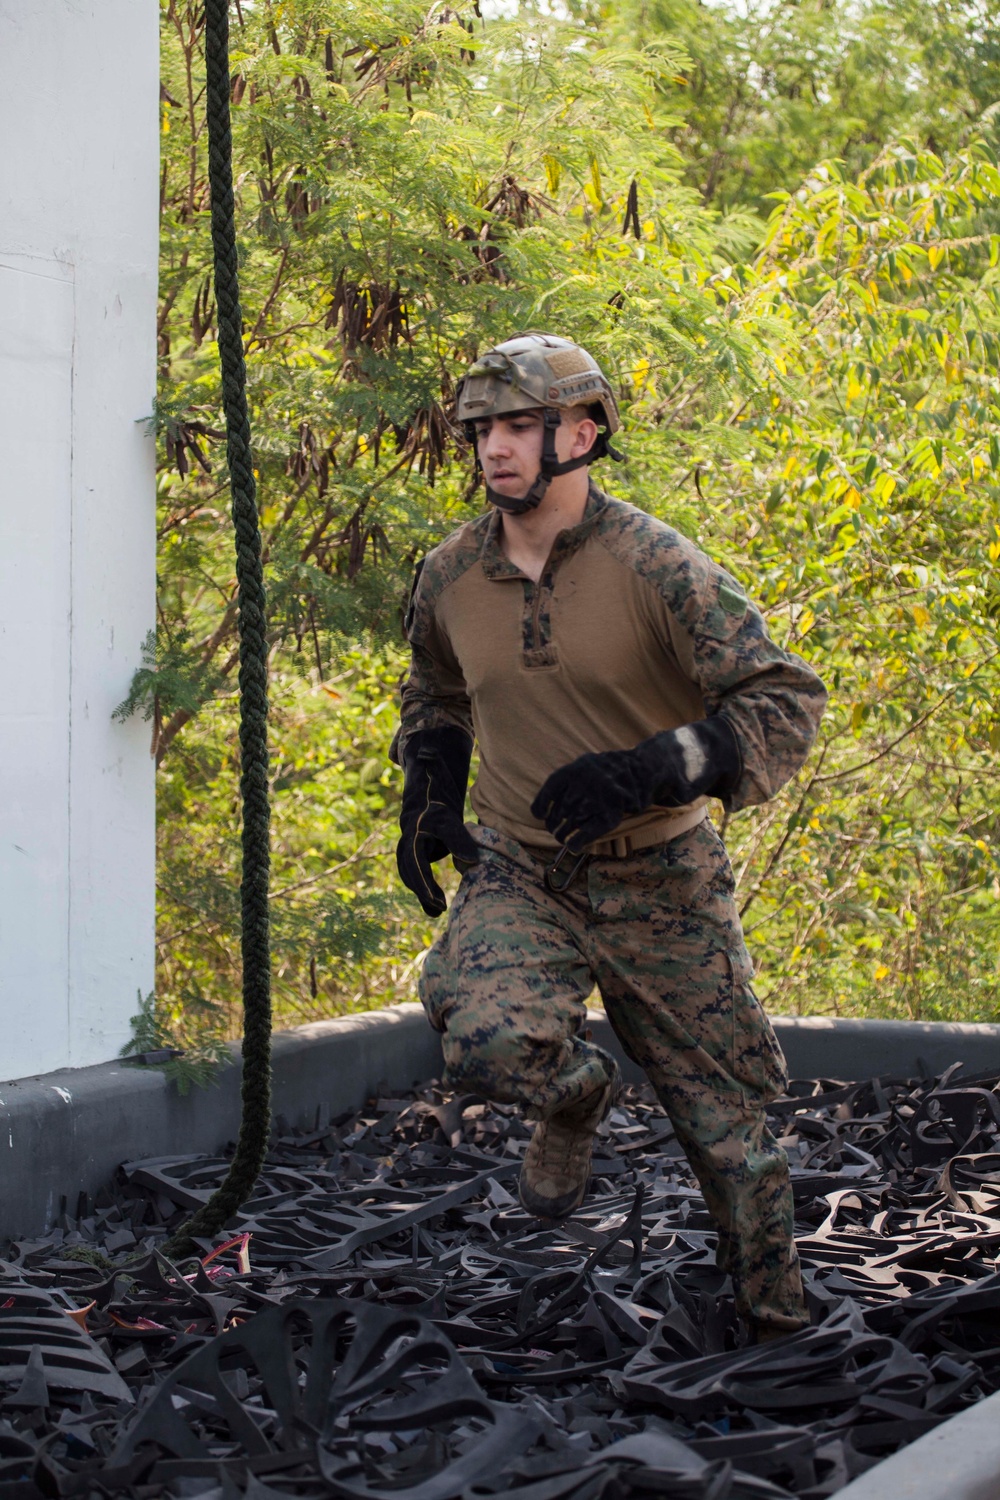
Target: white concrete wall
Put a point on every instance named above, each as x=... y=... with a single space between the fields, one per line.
x=78 y=260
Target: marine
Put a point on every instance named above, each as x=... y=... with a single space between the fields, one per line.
x=613 y=678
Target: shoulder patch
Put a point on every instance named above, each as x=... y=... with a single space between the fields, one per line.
x=732 y=598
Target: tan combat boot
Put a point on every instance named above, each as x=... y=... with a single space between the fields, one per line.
x=556 y=1166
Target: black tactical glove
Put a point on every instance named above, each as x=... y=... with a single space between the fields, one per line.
x=586 y=800
x=436 y=774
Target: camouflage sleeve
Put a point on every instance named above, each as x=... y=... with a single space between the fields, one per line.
x=433 y=693
x=772 y=698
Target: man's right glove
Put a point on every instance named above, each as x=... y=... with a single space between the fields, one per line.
x=436 y=773
x=586 y=800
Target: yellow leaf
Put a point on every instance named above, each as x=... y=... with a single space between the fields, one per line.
x=595 y=180
x=935 y=255
x=882 y=972
x=640 y=374
x=857 y=715
x=921 y=616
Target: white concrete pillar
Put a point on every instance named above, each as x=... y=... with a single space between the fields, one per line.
x=78 y=264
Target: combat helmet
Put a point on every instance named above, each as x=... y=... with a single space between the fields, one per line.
x=530 y=372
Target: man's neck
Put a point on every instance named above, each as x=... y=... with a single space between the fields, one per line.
x=527 y=540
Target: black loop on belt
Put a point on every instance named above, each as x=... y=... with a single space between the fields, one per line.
x=557 y=883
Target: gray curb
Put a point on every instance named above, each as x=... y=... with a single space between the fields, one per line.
x=831 y=1047
x=65 y=1133
x=960 y=1460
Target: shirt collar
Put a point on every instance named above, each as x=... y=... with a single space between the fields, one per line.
x=497 y=565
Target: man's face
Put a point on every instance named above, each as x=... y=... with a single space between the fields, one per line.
x=510 y=451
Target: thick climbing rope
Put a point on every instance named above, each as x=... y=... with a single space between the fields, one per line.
x=251 y=1146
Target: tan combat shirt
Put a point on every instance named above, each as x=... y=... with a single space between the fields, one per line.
x=631 y=629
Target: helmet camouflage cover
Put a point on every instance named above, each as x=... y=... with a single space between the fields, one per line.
x=535 y=370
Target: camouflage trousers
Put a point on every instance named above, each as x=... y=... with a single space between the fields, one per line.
x=659 y=933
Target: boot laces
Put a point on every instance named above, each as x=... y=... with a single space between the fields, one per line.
x=568 y=1141
x=565 y=1144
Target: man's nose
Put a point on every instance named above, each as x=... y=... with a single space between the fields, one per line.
x=494 y=444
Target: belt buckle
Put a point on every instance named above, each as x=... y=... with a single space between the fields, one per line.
x=556 y=884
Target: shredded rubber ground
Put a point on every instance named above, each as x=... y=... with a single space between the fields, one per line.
x=385 y=1321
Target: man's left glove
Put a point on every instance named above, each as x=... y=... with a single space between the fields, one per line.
x=586 y=800
x=436 y=773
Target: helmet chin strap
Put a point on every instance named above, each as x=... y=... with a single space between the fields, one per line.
x=550 y=468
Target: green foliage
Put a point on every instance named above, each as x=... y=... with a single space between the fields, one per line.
x=88 y=1255
x=194 y=1030
x=812 y=399
x=875 y=545
x=769 y=88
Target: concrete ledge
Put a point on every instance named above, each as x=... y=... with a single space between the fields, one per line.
x=65 y=1133
x=834 y=1047
x=830 y=1047
x=959 y=1460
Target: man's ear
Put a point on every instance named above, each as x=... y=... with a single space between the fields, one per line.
x=584 y=438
